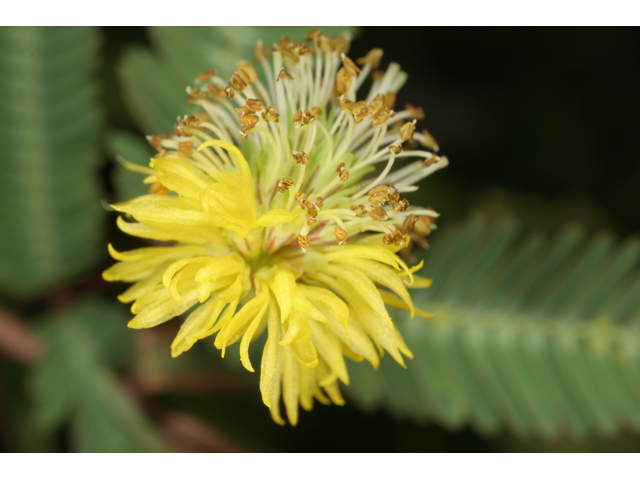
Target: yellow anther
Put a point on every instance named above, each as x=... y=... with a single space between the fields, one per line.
x=316 y=111
x=159 y=189
x=341 y=235
x=342 y=172
x=303 y=241
x=214 y=91
x=406 y=132
x=312 y=35
x=344 y=103
x=360 y=111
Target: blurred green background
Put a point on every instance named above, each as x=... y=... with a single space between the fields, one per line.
x=536 y=279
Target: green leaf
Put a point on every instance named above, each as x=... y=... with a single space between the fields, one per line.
x=533 y=335
x=75 y=382
x=128 y=147
x=49 y=126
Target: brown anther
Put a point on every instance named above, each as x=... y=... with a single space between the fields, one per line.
x=359 y=111
x=430 y=161
x=249 y=119
x=260 y=51
x=205 y=76
x=382 y=116
x=400 y=236
x=344 y=103
x=429 y=142
x=406 y=132
x=341 y=235
x=270 y=115
x=161 y=153
x=379 y=189
x=244 y=110
x=388 y=239
x=378 y=213
x=377 y=75
x=376 y=105
x=254 y=104
x=228 y=92
x=159 y=189
x=303 y=241
x=312 y=35
x=379 y=197
x=185 y=148
x=302 y=118
x=400 y=206
x=195 y=95
x=409 y=222
x=248 y=128
x=317 y=111
x=326 y=44
x=246 y=70
x=342 y=172
x=237 y=83
x=214 y=91
x=351 y=67
x=372 y=58
x=343 y=81
x=156 y=140
x=395 y=149
x=414 y=112
x=284 y=185
x=312 y=212
x=191 y=121
x=342 y=44
x=359 y=209
x=319 y=201
x=301 y=158
x=393 y=192
x=283 y=74
x=424 y=225
x=390 y=100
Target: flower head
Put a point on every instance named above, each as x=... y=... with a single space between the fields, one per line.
x=285 y=217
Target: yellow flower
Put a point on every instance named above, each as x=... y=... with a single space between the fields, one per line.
x=281 y=221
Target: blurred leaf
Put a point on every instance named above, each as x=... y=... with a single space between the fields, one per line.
x=533 y=335
x=133 y=149
x=49 y=126
x=75 y=381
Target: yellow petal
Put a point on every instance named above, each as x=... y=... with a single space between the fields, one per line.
x=290 y=385
x=255 y=307
x=196 y=326
x=185 y=234
x=305 y=353
x=164 y=209
x=181 y=176
x=329 y=301
x=329 y=348
x=246 y=340
x=276 y=217
x=270 y=364
x=382 y=275
x=163 y=309
x=369 y=252
x=234 y=152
